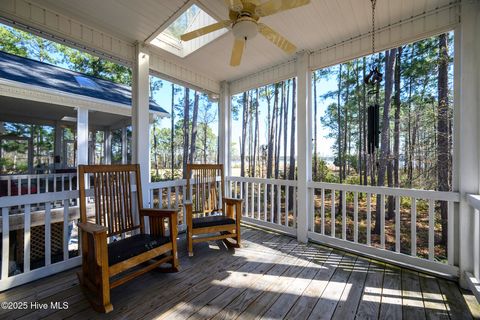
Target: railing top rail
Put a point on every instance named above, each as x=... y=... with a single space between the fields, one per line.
x=415 y=193
x=473 y=200
x=172 y=183
x=262 y=180
x=41 y=175
x=43 y=197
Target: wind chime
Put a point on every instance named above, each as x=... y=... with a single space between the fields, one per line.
x=372 y=81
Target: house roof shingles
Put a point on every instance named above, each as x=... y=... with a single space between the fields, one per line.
x=48 y=76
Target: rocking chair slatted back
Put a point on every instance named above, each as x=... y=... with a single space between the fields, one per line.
x=203 y=187
x=115 y=203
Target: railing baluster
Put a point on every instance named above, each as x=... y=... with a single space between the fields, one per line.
x=160 y=197
x=451 y=233
x=5 y=242
x=265 y=204
x=19 y=186
x=9 y=186
x=259 y=194
x=184 y=216
x=241 y=190
x=66 y=206
x=397 y=224
x=29 y=185
x=294 y=205
x=413 y=226
x=369 y=219
x=332 y=215
x=246 y=199
x=323 y=211
x=177 y=197
x=272 y=198
x=431 y=229
x=355 y=217
x=252 y=199
x=344 y=215
x=26 y=239
x=287 y=190
x=382 y=220
x=169 y=197
x=279 y=195
x=48 y=233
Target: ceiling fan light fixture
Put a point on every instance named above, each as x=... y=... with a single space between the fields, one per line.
x=245 y=28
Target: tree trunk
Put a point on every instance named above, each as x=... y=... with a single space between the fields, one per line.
x=291 y=170
x=396 y=139
x=443 y=131
x=243 y=137
x=315 y=159
x=385 y=133
x=339 y=124
x=186 y=140
x=285 y=136
x=255 y=145
x=359 y=122
x=270 y=156
x=346 y=150
x=364 y=124
x=277 y=155
x=172 y=132
x=194 y=129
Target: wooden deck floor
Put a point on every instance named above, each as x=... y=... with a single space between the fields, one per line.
x=271 y=277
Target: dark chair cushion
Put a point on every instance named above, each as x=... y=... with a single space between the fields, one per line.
x=211 y=221
x=130 y=247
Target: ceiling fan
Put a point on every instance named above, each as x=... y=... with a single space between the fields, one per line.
x=244 y=16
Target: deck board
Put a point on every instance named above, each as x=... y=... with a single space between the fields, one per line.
x=272 y=277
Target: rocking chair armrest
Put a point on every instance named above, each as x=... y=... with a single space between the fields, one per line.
x=92 y=227
x=164 y=213
x=232 y=201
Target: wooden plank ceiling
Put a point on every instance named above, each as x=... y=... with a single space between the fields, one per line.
x=320 y=24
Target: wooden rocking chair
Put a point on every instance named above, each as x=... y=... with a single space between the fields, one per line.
x=107 y=264
x=207 y=210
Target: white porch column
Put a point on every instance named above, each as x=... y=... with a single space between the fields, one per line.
x=224 y=127
x=82 y=136
x=107 y=146
x=140 y=116
x=304 y=141
x=57 y=147
x=468 y=118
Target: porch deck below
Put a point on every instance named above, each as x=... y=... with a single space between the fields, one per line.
x=271 y=276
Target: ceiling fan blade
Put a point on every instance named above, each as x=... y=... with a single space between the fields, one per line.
x=235 y=5
x=274 y=6
x=237 y=52
x=276 y=39
x=202 y=31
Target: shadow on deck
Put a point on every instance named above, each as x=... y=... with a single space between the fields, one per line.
x=271 y=276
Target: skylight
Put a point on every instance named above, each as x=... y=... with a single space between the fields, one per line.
x=86 y=83
x=193 y=18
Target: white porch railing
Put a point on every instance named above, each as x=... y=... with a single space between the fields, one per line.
x=16 y=185
x=37 y=243
x=169 y=194
x=411 y=237
x=270 y=203
x=474 y=279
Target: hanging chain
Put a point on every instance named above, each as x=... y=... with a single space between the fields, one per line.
x=374 y=3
